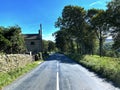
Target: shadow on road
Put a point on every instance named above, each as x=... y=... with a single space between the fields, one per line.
x=61 y=58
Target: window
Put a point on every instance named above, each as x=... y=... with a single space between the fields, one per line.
x=32 y=43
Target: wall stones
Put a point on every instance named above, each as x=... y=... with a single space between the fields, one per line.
x=12 y=61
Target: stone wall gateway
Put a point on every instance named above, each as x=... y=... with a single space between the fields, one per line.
x=12 y=61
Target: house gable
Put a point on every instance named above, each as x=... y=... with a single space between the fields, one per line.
x=33 y=42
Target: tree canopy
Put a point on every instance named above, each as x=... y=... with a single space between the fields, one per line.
x=113 y=17
x=80 y=30
x=11 y=40
x=73 y=31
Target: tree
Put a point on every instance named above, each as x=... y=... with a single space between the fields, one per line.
x=90 y=40
x=45 y=45
x=51 y=46
x=4 y=43
x=97 y=20
x=113 y=14
x=80 y=28
x=72 y=23
x=12 y=40
x=16 y=39
x=61 y=41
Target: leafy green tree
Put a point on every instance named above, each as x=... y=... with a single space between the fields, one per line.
x=45 y=45
x=72 y=22
x=51 y=46
x=4 y=43
x=113 y=14
x=97 y=20
x=14 y=36
x=116 y=44
x=61 y=42
x=90 y=14
x=90 y=40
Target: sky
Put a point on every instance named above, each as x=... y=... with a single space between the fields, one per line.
x=29 y=14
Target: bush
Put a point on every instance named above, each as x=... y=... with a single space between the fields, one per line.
x=111 y=54
x=76 y=57
x=45 y=55
x=38 y=56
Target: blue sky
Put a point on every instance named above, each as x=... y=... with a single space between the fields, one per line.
x=28 y=14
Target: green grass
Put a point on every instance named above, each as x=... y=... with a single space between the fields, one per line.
x=8 y=77
x=107 y=67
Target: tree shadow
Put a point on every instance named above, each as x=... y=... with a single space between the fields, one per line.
x=61 y=58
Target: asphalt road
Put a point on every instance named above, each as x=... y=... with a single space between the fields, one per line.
x=60 y=73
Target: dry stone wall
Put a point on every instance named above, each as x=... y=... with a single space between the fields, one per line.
x=13 y=61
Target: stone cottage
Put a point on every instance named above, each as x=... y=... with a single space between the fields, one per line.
x=33 y=42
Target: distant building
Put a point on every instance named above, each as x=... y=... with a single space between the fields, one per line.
x=33 y=42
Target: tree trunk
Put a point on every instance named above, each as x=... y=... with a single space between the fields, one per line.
x=72 y=46
x=100 y=44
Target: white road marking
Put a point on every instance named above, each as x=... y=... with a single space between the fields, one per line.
x=57 y=84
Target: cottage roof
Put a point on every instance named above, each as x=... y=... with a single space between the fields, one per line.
x=31 y=36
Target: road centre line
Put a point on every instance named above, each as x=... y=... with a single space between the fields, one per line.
x=57 y=82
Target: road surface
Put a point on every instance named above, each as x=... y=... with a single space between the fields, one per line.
x=60 y=73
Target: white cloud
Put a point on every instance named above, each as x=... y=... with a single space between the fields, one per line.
x=94 y=3
x=48 y=37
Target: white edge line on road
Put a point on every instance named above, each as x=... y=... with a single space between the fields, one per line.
x=57 y=84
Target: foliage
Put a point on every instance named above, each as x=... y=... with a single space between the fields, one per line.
x=48 y=46
x=51 y=46
x=11 y=40
x=113 y=18
x=45 y=45
x=107 y=67
x=74 y=33
x=80 y=29
x=116 y=44
x=97 y=20
x=61 y=42
x=45 y=55
x=4 y=42
x=38 y=56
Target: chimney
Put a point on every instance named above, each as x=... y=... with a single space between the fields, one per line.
x=40 y=36
x=40 y=30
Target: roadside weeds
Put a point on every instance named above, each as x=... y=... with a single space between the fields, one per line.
x=8 y=77
x=106 y=67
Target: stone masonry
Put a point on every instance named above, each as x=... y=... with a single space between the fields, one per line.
x=12 y=61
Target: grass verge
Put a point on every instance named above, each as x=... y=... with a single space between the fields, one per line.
x=106 y=67
x=8 y=77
